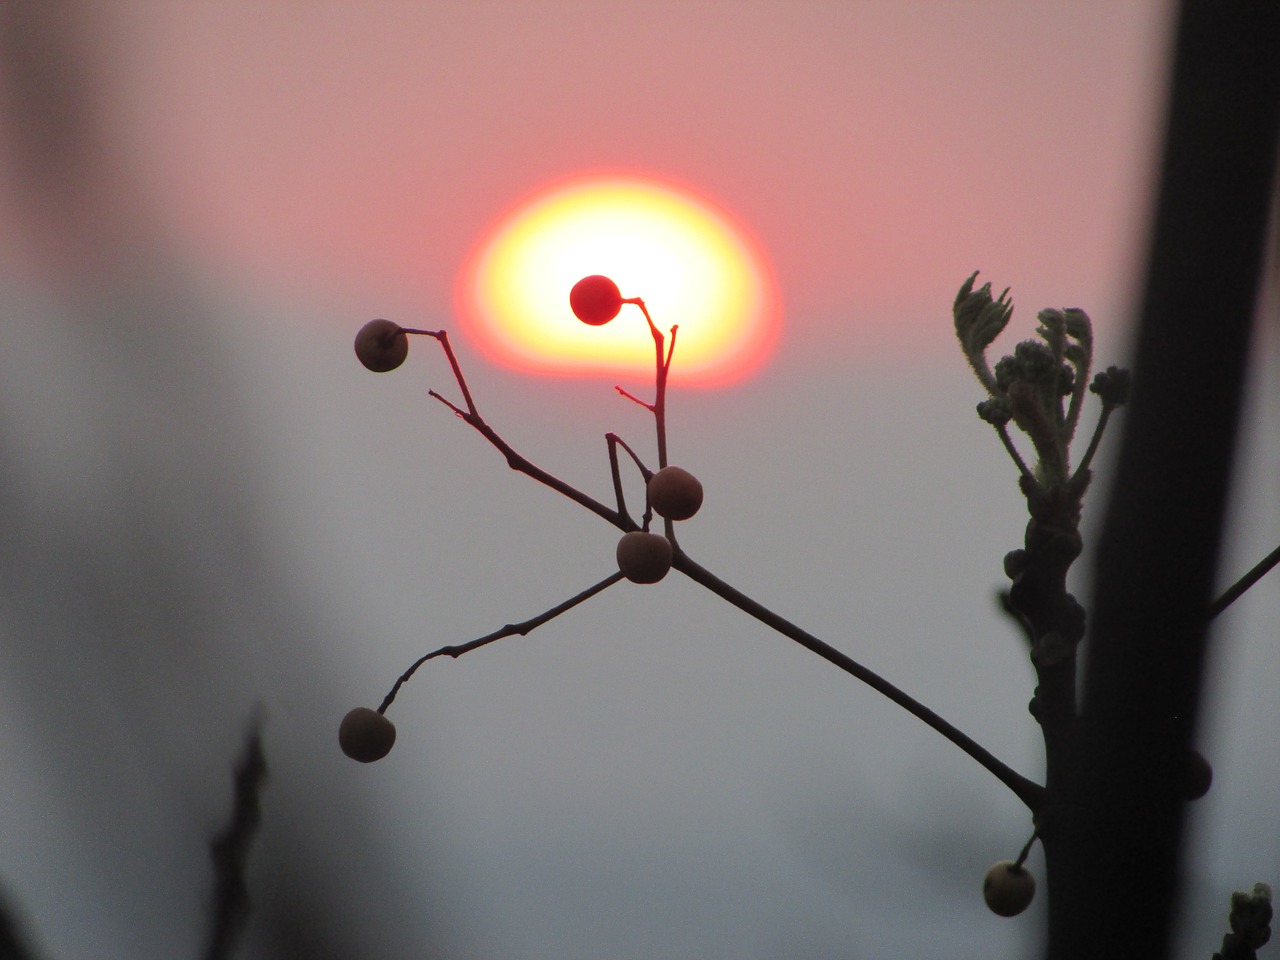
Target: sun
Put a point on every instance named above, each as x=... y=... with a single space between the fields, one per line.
x=693 y=267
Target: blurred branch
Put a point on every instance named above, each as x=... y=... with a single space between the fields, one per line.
x=230 y=850
x=1237 y=589
x=12 y=946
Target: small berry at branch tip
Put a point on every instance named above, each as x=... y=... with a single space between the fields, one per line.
x=675 y=493
x=366 y=735
x=1008 y=889
x=382 y=345
x=644 y=557
x=595 y=300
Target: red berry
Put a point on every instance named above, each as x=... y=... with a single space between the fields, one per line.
x=366 y=735
x=382 y=345
x=595 y=300
x=644 y=557
x=675 y=493
x=1008 y=889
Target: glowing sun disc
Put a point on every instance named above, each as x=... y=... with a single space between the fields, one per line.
x=688 y=262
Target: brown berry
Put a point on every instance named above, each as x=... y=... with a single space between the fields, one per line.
x=366 y=735
x=675 y=493
x=382 y=345
x=644 y=557
x=1008 y=888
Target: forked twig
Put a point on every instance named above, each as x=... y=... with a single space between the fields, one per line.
x=1031 y=793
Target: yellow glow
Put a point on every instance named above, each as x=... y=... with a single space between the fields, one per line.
x=689 y=264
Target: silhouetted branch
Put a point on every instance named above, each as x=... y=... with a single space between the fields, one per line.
x=1237 y=589
x=230 y=850
x=1026 y=790
x=510 y=630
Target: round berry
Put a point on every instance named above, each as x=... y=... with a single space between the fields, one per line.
x=382 y=345
x=675 y=493
x=595 y=300
x=644 y=557
x=1197 y=776
x=1008 y=888
x=366 y=735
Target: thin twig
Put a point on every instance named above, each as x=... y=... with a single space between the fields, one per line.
x=511 y=629
x=612 y=440
x=1093 y=442
x=661 y=363
x=616 y=441
x=1007 y=440
x=514 y=460
x=1233 y=592
x=1026 y=849
x=634 y=399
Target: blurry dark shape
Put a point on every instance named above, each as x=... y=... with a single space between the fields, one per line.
x=1250 y=924
x=230 y=849
x=147 y=579
x=79 y=209
x=12 y=944
x=1113 y=846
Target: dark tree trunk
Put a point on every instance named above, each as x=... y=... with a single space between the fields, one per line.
x=1113 y=838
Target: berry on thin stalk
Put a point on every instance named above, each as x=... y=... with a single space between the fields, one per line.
x=382 y=345
x=675 y=493
x=366 y=735
x=644 y=557
x=1008 y=888
x=595 y=300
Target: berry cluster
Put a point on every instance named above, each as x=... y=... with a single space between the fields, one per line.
x=642 y=556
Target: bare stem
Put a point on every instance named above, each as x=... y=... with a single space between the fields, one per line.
x=1233 y=592
x=514 y=460
x=1029 y=792
x=510 y=630
x=1026 y=849
x=1093 y=442
x=662 y=363
x=616 y=441
x=1007 y=440
x=634 y=399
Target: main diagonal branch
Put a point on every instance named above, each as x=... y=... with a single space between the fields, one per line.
x=1029 y=792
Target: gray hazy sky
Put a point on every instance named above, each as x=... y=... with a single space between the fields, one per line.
x=213 y=506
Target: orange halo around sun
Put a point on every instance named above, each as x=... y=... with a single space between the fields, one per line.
x=689 y=263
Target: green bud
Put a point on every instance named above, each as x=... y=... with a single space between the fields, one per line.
x=978 y=317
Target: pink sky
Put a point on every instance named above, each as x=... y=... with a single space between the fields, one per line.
x=879 y=151
x=217 y=507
